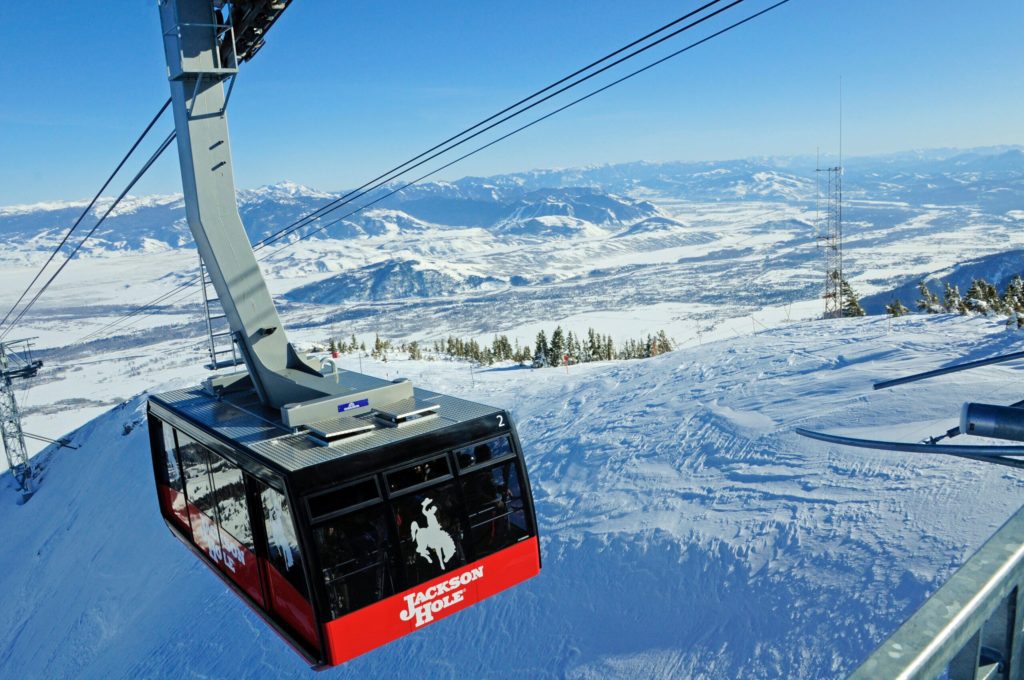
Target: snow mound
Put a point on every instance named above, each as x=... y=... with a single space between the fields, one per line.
x=687 y=532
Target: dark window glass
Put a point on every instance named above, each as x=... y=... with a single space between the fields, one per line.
x=202 y=500
x=418 y=474
x=171 y=487
x=337 y=500
x=355 y=559
x=286 y=583
x=282 y=542
x=232 y=510
x=484 y=452
x=430 y=532
x=173 y=470
x=238 y=557
x=494 y=504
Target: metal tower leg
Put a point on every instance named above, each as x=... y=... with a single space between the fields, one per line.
x=10 y=429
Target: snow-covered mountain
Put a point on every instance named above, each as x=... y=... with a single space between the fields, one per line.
x=390 y=279
x=997 y=269
x=991 y=179
x=687 y=531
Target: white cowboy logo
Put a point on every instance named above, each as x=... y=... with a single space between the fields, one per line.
x=432 y=537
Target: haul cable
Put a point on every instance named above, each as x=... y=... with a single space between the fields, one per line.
x=185 y=285
x=86 y=211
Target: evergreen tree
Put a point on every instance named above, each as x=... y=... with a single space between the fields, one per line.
x=542 y=348
x=1013 y=296
x=592 y=351
x=557 y=349
x=992 y=299
x=414 y=350
x=929 y=301
x=979 y=297
x=850 y=301
x=332 y=346
x=896 y=308
x=572 y=347
x=663 y=343
x=951 y=300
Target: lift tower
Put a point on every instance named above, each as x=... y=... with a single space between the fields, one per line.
x=16 y=363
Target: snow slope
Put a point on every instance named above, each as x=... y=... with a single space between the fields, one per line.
x=687 y=532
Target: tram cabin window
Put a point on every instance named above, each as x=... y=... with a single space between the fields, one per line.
x=420 y=473
x=338 y=500
x=173 y=497
x=282 y=543
x=356 y=559
x=494 y=504
x=484 y=452
x=201 y=499
x=430 y=532
x=289 y=596
x=232 y=510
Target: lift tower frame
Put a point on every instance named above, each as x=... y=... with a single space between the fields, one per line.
x=830 y=240
x=16 y=363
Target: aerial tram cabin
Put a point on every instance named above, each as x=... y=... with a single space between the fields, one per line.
x=356 y=531
x=345 y=509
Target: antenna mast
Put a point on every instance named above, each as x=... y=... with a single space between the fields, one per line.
x=830 y=226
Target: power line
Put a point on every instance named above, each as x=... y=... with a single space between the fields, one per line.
x=86 y=210
x=152 y=159
x=319 y=212
x=398 y=170
x=183 y=286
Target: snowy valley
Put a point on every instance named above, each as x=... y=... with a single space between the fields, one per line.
x=686 y=530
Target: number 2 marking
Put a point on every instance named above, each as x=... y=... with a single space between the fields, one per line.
x=501 y=421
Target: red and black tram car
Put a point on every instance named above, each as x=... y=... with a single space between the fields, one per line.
x=353 y=532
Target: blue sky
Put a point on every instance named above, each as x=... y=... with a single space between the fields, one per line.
x=345 y=90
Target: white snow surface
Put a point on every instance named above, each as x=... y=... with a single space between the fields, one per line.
x=686 y=530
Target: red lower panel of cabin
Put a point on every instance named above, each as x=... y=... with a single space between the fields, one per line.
x=401 y=614
x=290 y=604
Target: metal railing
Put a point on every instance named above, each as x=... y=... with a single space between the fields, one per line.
x=971 y=626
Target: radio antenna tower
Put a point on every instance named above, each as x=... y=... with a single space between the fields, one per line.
x=830 y=239
x=16 y=363
x=830 y=226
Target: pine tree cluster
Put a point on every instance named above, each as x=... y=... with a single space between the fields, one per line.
x=563 y=347
x=570 y=348
x=981 y=298
x=342 y=346
x=500 y=349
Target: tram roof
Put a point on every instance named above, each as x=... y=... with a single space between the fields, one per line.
x=240 y=418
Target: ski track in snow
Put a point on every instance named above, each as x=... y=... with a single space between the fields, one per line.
x=686 y=531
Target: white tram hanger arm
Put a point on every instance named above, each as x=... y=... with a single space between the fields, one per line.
x=202 y=50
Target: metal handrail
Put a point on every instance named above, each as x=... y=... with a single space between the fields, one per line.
x=970 y=626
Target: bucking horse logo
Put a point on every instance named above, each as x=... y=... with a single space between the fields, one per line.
x=432 y=537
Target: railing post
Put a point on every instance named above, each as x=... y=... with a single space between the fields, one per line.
x=971 y=627
x=1015 y=664
x=964 y=665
